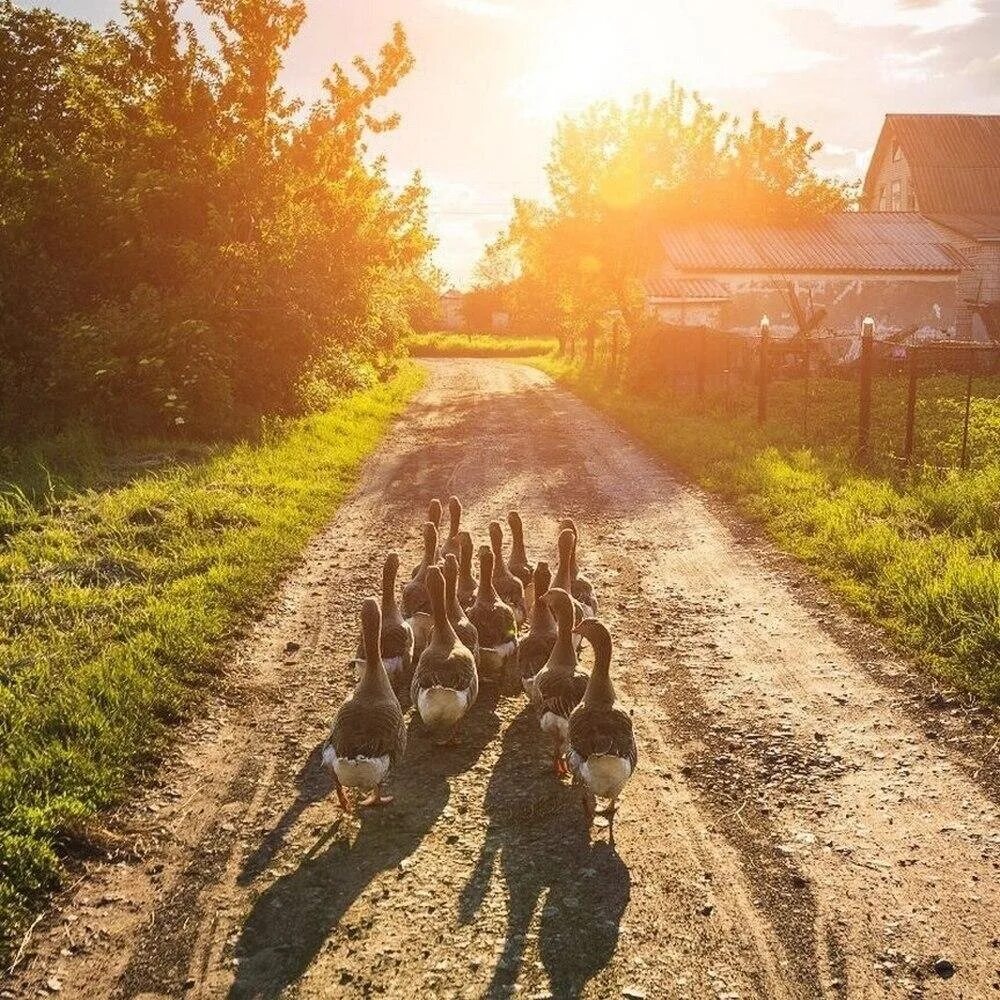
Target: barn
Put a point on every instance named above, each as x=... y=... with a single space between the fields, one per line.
x=829 y=273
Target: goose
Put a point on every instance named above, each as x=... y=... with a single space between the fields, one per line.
x=416 y=601
x=446 y=682
x=495 y=622
x=397 y=637
x=508 y=586
x=464 y=628
x=434 y=513
x=534 y=649
x=602 y=751
x=466 y=587
x=582 y=589
x=518 y=563
x=558 y=687
x=564 y=580
x=453 y=543
x=368 y=736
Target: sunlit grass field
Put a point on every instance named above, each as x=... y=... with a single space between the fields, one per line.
x=477 y=345
x=116 y=602
x=917 y=550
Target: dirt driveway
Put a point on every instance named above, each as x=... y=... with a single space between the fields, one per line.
x=809 y=818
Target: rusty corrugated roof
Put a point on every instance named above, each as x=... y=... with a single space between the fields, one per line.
x=978 y=227
x=685 y=289
x=954 y=161
x=842 y=243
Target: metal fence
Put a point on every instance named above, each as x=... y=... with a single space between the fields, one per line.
x=884 y=401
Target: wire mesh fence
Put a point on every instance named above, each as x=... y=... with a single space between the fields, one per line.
x=885 y=403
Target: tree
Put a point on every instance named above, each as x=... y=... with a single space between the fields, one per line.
x=618 y=173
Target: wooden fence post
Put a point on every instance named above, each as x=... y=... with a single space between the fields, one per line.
x=700 y=364
x=763 y=374
x=911 y=404
x=968 y=407
x=865 y=388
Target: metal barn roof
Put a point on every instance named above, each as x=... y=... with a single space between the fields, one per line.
x=954 y=160
x=665 y=287
x=843 y=243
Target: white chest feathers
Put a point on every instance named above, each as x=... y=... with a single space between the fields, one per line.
x=557 y=728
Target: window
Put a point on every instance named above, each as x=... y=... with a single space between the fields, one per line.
x=881 y=199
x=897 y=153
x=897 y=196
x=911 y=198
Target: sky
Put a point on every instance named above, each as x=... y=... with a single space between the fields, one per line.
x=493 y=77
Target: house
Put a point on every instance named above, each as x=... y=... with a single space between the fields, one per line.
x=947 y=167
x=452 y=310
x=826 y=274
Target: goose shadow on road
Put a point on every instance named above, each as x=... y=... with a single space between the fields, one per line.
x=293 y=918
x=538 y=835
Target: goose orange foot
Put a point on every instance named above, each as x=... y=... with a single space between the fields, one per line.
x=376 y=799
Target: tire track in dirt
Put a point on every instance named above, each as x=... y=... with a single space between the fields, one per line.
x=790 y=833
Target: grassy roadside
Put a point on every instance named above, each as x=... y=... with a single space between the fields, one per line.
x=477 y=345
x=918 y=554
x=116 y=604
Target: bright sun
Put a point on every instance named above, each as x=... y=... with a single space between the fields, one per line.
x=590 y=50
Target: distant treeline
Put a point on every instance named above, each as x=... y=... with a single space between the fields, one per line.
x=182 y=246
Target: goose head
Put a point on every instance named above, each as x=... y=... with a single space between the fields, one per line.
x=564 y=570
x=600 y=690
x=444 y=636
x=455 y=611
x=435 y=512
x=517 y=535
x=487 y=592
x=454 y=515
x=374 y=684
x=430 y=543
x=390 y=609
x=541 y=614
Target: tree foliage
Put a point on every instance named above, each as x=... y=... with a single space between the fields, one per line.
x=619 y=173
x=183 y=246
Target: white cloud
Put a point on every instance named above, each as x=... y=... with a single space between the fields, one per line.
x=481 y=8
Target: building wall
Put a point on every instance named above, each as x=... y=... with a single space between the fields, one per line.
x=689 y=313
x=979 y=283
x=893 y=171
x=921 y=302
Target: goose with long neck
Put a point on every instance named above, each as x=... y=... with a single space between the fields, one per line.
x=559 y=686
x=508 y=586
x=434 y=514
x=368 y=736
x=536 y=646
x=466 y=587
x=397 y=637
x=518 y=563
x=580 y=587
x=602 y=751
x=464 y=628
x=564 y=579
x=416 y=600
x=496 y=625
x=446 y=682
x=453 y=543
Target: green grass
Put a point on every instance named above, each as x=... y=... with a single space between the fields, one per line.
x=915 y=550
x=117 y=604
x=477 y=345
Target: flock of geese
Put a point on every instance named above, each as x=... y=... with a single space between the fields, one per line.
x=449 y=633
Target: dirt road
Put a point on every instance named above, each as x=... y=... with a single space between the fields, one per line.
x=808 y=819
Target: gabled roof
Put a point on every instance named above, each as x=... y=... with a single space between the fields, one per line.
x=452 y=293
x=840 y=243
x=979 y=227
x=954 y=161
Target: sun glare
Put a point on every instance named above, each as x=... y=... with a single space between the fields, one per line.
x=590 y=51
